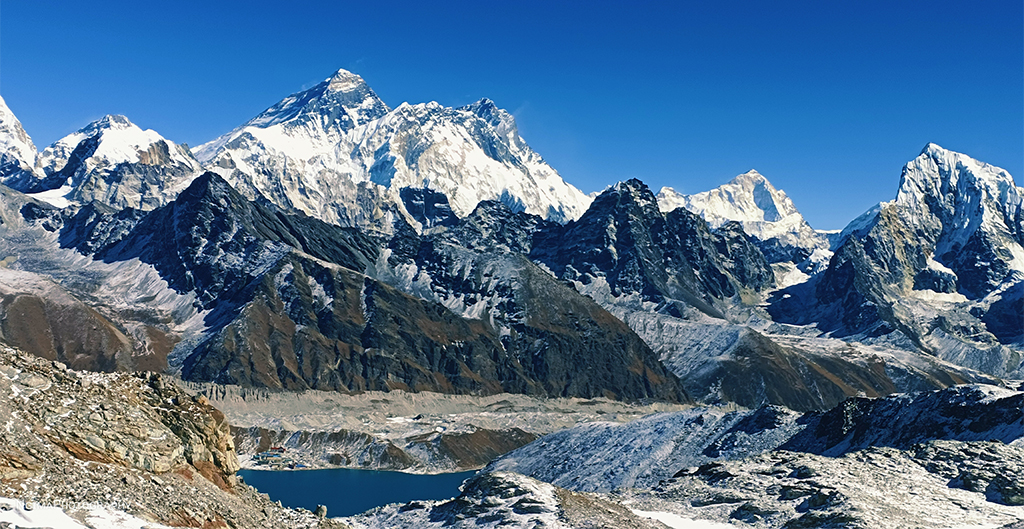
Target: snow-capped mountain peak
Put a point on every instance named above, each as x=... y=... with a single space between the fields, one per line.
x=948 y=184
x=766 y=213
x=345 y=81
x=340 y=102
x=502 y=121
x=117 y=140
x=17 y=152
x=114 y=161
x=959 y=202
x=749 y=197
x=950 y=243
x=336 y=152
x=108 y=122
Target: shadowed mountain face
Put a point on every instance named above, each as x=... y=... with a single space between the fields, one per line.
x=624 y=240
x=290 y=305
x=295 y=303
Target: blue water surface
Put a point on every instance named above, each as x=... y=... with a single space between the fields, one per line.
x=346 y=491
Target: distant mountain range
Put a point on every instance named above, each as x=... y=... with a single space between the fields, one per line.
x=334 y=243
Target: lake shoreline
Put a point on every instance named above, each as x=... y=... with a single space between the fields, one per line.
x=347 y=492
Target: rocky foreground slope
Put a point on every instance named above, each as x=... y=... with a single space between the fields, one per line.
x=97 y=447
x=129 y=445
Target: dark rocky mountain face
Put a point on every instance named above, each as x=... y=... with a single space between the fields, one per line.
x=494 y=227
x=290 y=306
x=478 y=269
x=467 y=268
x=76 y=161
x=624 y=239
x=293 y=302
x=428 y=207
x=213 y=241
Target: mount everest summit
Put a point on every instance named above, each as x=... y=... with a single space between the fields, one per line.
x=338 y=153
x=450 y=207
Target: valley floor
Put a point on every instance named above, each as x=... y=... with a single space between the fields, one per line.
x=422 y=432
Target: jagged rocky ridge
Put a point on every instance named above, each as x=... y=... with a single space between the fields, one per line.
x=292 y=303
x=673 y=280
x=437 y=267
x=670 y=276
x=673 y=261
x=649 y=269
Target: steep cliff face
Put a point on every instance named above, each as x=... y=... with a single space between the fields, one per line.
x=113 y=418
x=359 y=334
x=474 y=268
x=17 y=152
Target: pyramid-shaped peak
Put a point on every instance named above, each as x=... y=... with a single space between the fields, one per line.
x=17 y=152
x=632 y=191
x=344 y=81
x=11 y=129
x=633 y=185
x=209 y=186
x=114 y=121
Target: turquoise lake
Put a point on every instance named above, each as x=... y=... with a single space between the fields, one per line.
x=346 y=491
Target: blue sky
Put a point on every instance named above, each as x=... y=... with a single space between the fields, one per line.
x=826 y=99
